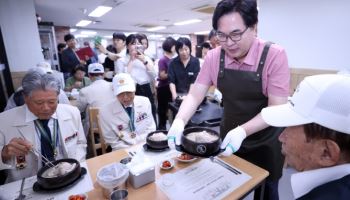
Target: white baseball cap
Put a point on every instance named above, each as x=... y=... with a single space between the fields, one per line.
x=321 y=99
x=123 y=82
x=45 y=66
x=95 y=68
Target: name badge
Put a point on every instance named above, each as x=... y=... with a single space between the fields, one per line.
x=190 y=73
x=69 y=138
x=141 y=116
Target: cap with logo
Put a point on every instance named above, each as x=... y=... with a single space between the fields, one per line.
x=45 y=66
x=95 y=68
x=123 y=82
x=321 y=99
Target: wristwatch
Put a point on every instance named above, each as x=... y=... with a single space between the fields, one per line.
x=145 y=63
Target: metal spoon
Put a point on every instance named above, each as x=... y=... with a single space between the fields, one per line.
x=21 y=196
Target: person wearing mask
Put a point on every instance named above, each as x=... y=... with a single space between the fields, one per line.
x=183 y=69
x=69 y=58
x=316 y=141
x=128 y=119
x=251 y=74
x=78 y=80
x=163 y=90
x=53 y=129
x=140 y=67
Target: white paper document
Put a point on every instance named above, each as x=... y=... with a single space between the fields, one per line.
x=203 y=180
x=11 y=190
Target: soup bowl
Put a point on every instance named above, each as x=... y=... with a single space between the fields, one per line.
x=200 y=149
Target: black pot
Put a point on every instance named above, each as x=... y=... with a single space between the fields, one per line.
x=60 y=181
x=200 y=149
x=157 y=144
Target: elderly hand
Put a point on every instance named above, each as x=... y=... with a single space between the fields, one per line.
x=16 y=147
x=175 y=132
x=233 y=141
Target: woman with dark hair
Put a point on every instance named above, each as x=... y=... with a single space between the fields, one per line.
x=183 y=69
x=163 y=90
x=78 y=80
x=140 y=67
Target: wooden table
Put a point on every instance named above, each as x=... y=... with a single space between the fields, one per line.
x=151 y=191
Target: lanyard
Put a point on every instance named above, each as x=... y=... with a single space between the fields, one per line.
x=131 y=121
x=55 y=139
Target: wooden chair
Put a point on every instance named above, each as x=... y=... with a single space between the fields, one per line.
x=95 y=130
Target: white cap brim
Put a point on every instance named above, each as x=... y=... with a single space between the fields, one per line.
x=283 y=116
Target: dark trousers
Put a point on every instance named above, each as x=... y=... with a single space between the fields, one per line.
x=270 y=192
x=164 y=97
x=145 y=90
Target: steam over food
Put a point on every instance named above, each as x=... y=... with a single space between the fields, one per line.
x=60 y=169
x=158 y=137
x=202 y=137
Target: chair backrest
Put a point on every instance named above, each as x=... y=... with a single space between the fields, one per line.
x=95 y=130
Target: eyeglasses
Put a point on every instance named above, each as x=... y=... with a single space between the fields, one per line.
x=235 y=37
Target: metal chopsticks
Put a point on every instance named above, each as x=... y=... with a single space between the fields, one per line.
x=225 y=165
x=38 y=153
x=46 y=160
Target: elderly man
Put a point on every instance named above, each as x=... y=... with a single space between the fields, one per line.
x=41 y=124
x=98 y=93
x=317 y=138
x=17 y=99
x=128 y=119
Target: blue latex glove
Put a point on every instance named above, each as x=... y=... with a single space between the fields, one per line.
x=175 y=132
x=233 y=141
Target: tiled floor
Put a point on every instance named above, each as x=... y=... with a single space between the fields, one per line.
x=284 y=188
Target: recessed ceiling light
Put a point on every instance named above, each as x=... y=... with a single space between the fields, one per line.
x=191 y=21
x=157 y=28
x=88 y=32
x=81 y=36
x=99 y=11
x=72 y=30
x=108 y=36
x=83 y=23
x=202 y=33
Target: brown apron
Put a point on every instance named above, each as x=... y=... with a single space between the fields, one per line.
x=243 y=99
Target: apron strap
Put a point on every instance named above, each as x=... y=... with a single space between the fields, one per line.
x=263 y=58
x=222 y=63
x=261 y=61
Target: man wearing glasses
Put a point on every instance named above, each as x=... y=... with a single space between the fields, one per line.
x=251 y=74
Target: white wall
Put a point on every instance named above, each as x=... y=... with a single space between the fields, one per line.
x=20 y=34
x=315 y=33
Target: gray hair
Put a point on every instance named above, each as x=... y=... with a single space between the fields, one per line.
x=37 y=79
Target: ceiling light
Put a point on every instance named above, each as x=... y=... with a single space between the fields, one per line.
x=72 y=30
x=108 y=36
x=88 y=32
x=129 y=33
x=157 y=28
x=155 y=36
x=83 y=23
x=99 y=11
x=191 y=21
x=81 y=36
x=202 y=33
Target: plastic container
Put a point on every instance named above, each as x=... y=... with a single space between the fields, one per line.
x=111 y=177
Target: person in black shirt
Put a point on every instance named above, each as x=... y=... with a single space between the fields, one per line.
x=183 y=69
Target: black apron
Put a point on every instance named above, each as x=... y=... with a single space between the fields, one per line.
x=243 y=99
